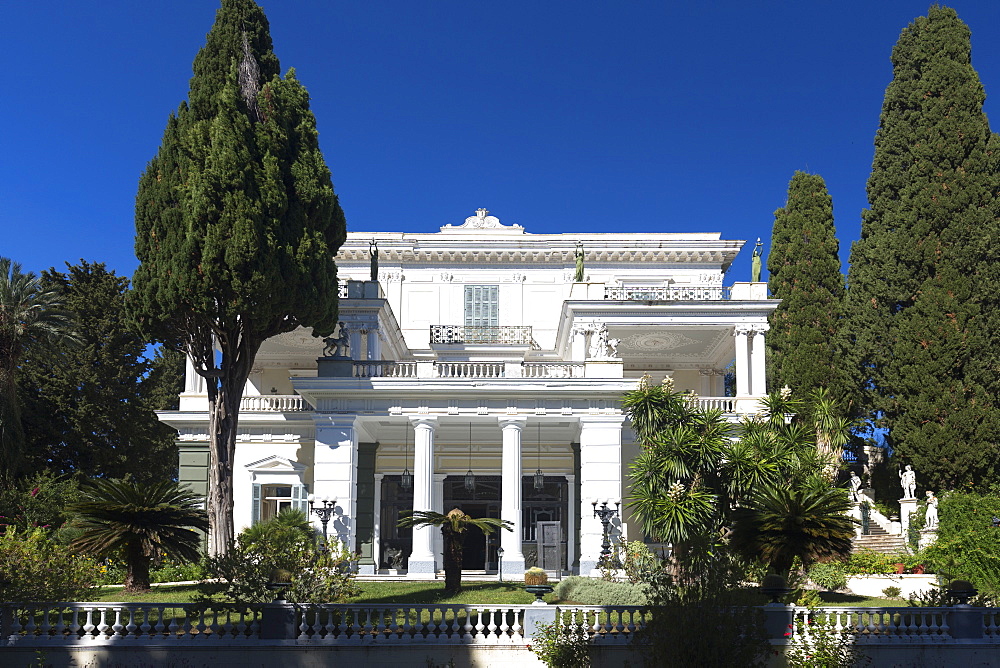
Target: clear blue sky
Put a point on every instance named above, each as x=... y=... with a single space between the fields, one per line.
x=560 y=116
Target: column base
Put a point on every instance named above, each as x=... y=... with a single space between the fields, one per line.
x=366 y=569
x=420 y=569
x=588 y=567
x=513 y=565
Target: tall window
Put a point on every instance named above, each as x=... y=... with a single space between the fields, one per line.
x=482 y=305
x=269 y=500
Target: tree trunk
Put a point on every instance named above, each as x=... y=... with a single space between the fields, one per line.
x=452 y=560
x=137 y=569
x=225 y=391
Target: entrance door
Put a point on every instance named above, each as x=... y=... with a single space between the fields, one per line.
x=483 y=501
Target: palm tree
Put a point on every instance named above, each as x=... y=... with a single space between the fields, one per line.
x=30 y=314
x=139 y=521
x=782 y=522
x=453 y=525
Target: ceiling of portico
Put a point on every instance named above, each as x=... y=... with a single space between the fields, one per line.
x=297 y=349
x=672 y=347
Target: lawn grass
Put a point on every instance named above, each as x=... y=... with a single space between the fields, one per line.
x=432 y=593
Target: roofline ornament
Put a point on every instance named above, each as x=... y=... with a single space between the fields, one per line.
x=482 y=221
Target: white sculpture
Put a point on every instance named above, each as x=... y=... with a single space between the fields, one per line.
x=855 y=486
x=931 y=518
x=908 y=479
x=601 y=347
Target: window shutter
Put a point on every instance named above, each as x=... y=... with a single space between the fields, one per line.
x=255 y=506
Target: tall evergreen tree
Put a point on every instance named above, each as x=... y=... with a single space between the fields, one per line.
x=236 y=227
x=804 y=272
x=89 y=408
x=921 y=301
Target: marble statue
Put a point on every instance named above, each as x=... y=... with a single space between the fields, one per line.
x=578 y=254
x=855 y=486
x=599 y=345
x=755 y=262
x=337 y=346
x=908 y=480
x=931 y=518
x=373 y=252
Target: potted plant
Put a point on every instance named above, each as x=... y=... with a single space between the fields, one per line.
x=536 y=582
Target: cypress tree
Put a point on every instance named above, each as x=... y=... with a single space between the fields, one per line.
x=921 y=282
x=804 y=272
x=236 y=227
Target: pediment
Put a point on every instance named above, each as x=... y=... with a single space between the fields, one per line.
x=275 y=464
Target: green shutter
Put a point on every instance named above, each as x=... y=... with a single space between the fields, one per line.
x=255 y=506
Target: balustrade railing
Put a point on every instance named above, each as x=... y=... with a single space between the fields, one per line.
x=385 y=369
x=469 y=369
x=494 y=625
x=552 y=370
x=724 y=404
x=81 y=622
x=667 y=294
x=876 y=624
x=506 y=335
x=272 y=403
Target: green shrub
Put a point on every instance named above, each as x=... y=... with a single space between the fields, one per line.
x=831 y=576
x=561 y=646
x=588 y=591
x=640 y=562
x=869 y=562
x=892 y=592
x=825 y=647
x=966 y=547
x=284 y=545
x=33 y=567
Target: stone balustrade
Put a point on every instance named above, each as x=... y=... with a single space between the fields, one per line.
x=430 y=369
x=667 y=294
x=724 y=404
x=272 y=403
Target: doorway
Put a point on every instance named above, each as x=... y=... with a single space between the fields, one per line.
x=478 y=553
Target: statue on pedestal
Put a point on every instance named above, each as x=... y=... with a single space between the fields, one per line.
x=855 y=486
x=578 y=254
x=755 y=262
x=931 y=518
x=337 y=346
x=908 y=480
x=373 y=253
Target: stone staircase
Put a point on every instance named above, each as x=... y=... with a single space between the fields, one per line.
x=879 y=541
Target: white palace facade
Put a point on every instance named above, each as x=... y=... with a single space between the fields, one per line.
x=482 y=350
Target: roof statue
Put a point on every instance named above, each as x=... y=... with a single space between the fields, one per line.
x=755 y=262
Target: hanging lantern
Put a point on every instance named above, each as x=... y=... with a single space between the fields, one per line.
x=539 y=476
x=470 y=477
x=406 y=481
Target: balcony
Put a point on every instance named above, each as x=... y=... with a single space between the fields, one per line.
x=667 y=294
x=389 y=369
x=511 y=335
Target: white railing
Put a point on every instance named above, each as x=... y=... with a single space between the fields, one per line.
x=552 y=370
x=606 y=624
x=469 y=369
x=272 y=403
x=667 y=294
x=347 y=624
x=724 y=404
x=510 y=335
x=385 y=369
x=93 y=622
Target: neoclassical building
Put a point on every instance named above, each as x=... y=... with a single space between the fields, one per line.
x=483 y=369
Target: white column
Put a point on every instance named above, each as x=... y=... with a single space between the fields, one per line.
x=421 y=562
x=741 y=332
x=374 y=343
x=377 y=526
x=510 y=495
x=354 y=343
x=335 y=473
x=706 y=382
x=758 y=374
x=600 y=478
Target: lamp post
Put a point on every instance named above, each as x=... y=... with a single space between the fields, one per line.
x=605 y=514
x=499 y=564
x=323 y=512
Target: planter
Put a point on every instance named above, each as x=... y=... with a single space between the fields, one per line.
x=918 y=569
x=900 y=568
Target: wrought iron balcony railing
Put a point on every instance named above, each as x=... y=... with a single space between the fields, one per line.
x=510 y=335
x=668 y=294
